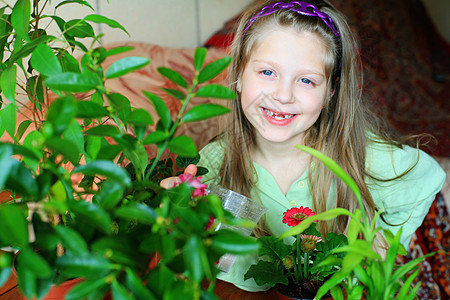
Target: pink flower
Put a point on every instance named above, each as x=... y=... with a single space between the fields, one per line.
x=295 y=216
x=309 y=242
x=200 y=188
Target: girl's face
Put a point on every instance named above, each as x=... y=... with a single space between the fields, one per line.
x=283 y=86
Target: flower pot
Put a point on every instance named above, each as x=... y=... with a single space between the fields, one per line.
x=284 y=297
x=58 y=292
x=304 y=290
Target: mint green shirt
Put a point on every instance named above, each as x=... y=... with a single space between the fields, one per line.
x=404 y=200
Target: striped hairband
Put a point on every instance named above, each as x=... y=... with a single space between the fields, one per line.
x=300 y=7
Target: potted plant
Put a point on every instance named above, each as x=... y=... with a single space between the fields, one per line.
x=293 y=266
x=364 y=274
x=85 y=197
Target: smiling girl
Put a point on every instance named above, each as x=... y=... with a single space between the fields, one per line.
x=296 y=71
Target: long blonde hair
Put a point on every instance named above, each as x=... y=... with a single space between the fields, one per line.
x=341 y=130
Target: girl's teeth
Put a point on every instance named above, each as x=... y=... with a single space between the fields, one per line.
x=277 y=116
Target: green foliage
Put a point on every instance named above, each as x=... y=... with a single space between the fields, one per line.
x=272 y=267
x=93 y=217
x=363 y=269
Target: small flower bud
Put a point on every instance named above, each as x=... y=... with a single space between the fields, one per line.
x=288 y=262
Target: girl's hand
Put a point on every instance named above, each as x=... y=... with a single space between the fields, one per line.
x=169 y=182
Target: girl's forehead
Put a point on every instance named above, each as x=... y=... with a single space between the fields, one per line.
x=284 y=43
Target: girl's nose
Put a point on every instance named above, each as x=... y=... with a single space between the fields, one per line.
x=283 y=92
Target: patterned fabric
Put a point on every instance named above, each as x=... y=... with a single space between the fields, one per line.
x=433 y=235
x=407 y=64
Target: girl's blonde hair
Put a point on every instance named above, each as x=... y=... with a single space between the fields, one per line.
x=341 y=130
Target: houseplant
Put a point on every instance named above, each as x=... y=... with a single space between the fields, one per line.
x=293 y=266
x=364 y=273
x=85 y=200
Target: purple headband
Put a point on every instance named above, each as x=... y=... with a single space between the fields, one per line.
x=303 y=8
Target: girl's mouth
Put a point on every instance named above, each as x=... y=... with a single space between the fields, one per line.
x=278 y=116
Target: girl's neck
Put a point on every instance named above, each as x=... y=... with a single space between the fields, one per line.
x=282 y=160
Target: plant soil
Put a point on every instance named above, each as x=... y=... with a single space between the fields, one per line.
x=305 y=289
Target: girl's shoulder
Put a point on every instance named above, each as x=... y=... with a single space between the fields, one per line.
x=401 y=177
x=386 y=161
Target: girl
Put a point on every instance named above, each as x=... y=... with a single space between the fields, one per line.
x=296 y=73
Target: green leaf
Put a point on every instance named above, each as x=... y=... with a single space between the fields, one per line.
x=121 y=105
x=183 y=162
x=13 y=225
x=89 y=109
x=104 y=20
x=103 y=130
x=140 y=117
x=274 y=248
x=119 y=292
x=161 y=109
x=106 y=168
x=72 y=240
x=173 y=76
x=126 y=65
x=118 y=50
x=193 y=251
x=183 y=145
x=66 y=148
x=20 y=17
x=138 y=157
x=175 y=93
x=72 y=82
x=228 y=241
x=203 y=112
x=74 y=1
x=21 y=180
x=22 y=128
x=8 y=115
x=8 y=83
x=86 y=288
x=74 y=134
x=408 y=286
x=110 y=194
x=83 y=266
x=60 y=114
x=34 y=262
x=155 y=137
x=93 y=213
x=69 y=63
x=137 y=211
x=199 y=58
x=354 y=227
x=135 y=285
x=117 y=249
x=213 y=69
x=78 y=28
x=28 y=48
x=44 y=60
x=266 y=273
x=215 y=91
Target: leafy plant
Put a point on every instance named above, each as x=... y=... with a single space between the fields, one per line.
x=364 y=271
x=298 y=261
x=85 y=197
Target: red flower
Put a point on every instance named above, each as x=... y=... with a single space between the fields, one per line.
x=195 y=183
x=295 y=216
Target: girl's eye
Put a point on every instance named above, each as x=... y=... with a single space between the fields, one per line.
x=267 y=72
x=306 y=81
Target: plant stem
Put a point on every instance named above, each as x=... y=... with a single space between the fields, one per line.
x=298 y=261
x=306 y=267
